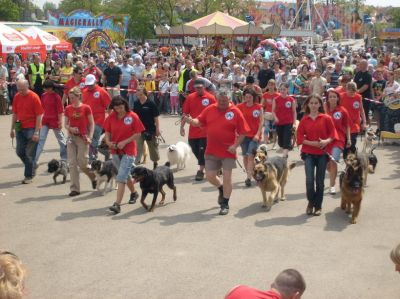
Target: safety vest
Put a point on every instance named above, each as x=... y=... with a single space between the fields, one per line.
x=36 y=72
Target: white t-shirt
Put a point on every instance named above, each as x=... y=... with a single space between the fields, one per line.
x=174 y=89
x=163 y=86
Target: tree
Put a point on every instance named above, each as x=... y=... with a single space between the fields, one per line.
x=9 y=11
x=395 y=14
x=68 y=6
x=49 y=6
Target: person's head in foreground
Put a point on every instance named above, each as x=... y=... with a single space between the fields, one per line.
x=12 y=276
x=395 y=256
x=289 y=284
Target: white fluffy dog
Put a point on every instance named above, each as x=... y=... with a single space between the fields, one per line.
x=179 y=154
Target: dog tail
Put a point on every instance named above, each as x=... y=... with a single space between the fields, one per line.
x=168 y=164
x=292 y=165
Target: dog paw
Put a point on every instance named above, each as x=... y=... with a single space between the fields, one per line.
x=151 y=210
x=268 y=208
x=283 y=198
x=353 y=221
x=161 y=203
x=263 y=205
x=343 y=207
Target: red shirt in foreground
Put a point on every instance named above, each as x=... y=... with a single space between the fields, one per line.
x=194 y=105
x=98 y=99
x=71 y=84
x=245 y=292
x=27 y=108
x=52 y=105
x=79 y=117
x=252 y=116
x=268 y=100
x=222 y=128
x=121 y=129
x=284 y=110
x=353 y=106
x=321 y=127
x=341 y=120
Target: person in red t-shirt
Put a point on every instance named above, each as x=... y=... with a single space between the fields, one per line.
x=341 y=120
x=253 y=114
x=316 y=130
x=132 y=86
x=79 y=123
x=98 y=99
x=25 y=125
x=226 y=129
x=352 y=101
x=194 y=104
x=76 y=80
x=289 y=284
x=284 y=113
x=93 y=70
x=123 y=127
x=266 y=101
x=52 y=119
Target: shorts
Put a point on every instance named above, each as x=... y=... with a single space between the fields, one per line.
x=284 y=133
x=249 y=146
x=336 y=152
x=269 y=126
x=214 y=163
x=124 y=164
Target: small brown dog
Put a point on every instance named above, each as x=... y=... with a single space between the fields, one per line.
x=351 y=187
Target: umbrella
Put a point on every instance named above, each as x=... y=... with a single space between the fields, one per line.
x=183 y=30
x=249 y=29
x=218 y=18
x=50 y=41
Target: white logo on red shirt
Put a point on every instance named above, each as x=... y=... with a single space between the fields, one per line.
x=288 y=104
x=96 y=94
x=356 y=105
x=128 y=120
x=82 y=85
x=256 y=113
x=229 y=115
x=337 y=115
x=205 y=102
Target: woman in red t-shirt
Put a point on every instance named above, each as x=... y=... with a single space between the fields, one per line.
x=79 y=123
x=122 y=128
x=284 y=112
x=316 y=130
x=253 y=114
x=341 y=120
x=266 y=102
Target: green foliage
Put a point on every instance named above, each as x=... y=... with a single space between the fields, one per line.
x=67 y=6
x=395 y=14
x=9 y=11
x=48 y=6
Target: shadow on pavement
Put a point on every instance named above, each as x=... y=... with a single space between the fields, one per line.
x=250 y=210
x=337 y=220
x=13 y=165
x=283 y=221
x=137 y=212
x=6 y=185
x=42 y=198
x=82 y=214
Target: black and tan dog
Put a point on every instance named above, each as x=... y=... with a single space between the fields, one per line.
x=106 y=174
x=351 y=187
x=58 y=168
x=272 y=176
x=152 y=181
x=261 y=154
x=362 y=160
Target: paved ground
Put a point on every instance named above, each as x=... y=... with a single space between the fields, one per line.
x=73 y=249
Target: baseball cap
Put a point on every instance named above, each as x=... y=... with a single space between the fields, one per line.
x=293 y=72
x=90 y=79
x=198 y=83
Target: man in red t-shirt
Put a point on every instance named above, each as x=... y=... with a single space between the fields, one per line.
x=98 y=99
x=226 y=129
x=194 y=104
x=289 y=284
x=25 y=125
x=76 y=80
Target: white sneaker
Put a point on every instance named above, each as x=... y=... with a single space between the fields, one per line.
x=332 y=190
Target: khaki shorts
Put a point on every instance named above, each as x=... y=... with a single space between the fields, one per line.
x=214 y=163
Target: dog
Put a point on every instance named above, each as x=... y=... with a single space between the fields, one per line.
x=106 y=173
x=370 y=136
x=261 y=154
x=373 y=161
x=362 y=159
x=179 y=154
x=152 y=181
x=58 y=168
x=104 y=149
x=272 y=176
x=351 y=187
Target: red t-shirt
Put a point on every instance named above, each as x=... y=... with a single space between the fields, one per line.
x=27 y=108
x=268 y=100
x=133 y=84
x=121 y=129
x=341 y=120
x=194 y=105
x=52 y=105
x=284 y=110
x=79 y=117
x=71 y=84
x=93 y=71
x=353 y=106
x=98 y=99
x=313 y=130
x=222 y=128
x=245 y=292
x=252 y=116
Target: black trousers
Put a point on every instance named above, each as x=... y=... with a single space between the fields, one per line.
x=198 y=146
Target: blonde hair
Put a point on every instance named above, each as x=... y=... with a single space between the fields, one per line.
x=12 y=275
x=395 y=255
x=76 y=91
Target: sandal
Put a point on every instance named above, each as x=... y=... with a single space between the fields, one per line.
x=318 y=212
x=309 y=209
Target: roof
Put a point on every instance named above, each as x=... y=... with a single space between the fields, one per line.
x=218 y=18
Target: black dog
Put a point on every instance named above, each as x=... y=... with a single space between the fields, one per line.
x=152 y=181
x=105 y=172
x=58 y=168
x=373 y=161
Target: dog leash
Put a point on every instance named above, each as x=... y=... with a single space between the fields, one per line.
x=240 y=165
x=179 y=121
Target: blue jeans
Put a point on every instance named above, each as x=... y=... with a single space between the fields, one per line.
x=26 y=150
x=62 y=142
x=95 y=142
x=132 y=99
x=124 y=164
x=315 y=167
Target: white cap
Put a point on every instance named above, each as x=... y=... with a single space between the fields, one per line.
x=90 y=80
x=111 y=60
x=293 y=72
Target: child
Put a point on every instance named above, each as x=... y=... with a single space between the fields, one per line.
x=150 y=86
x=132 y=86
x=174 y=95
x=3 y=96
x=163 y=87
x=237 y=94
